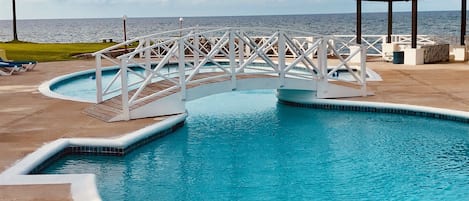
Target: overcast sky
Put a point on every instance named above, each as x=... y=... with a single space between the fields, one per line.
x=47 y=9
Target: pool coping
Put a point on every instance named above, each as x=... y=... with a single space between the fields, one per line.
x=83 y=186
x=380 y=107
x=44 y=87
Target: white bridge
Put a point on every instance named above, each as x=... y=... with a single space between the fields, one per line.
x=173 y=67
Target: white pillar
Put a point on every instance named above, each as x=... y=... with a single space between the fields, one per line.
x=357 y=57
x=460 y=53
x=388 y=51
x=414 y=56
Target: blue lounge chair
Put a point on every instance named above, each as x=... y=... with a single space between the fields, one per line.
x=28 y=65
x=7 y=68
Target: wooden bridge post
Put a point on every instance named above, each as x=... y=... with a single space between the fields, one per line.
x=125 y=89
x=241 y=49
x=182 y=68
x=147 y=57
x=322 y=58
x=99 y=80
x=363 y=51
x=196 y=55
x=281 y=57
x=232 y=55
x=322 y=84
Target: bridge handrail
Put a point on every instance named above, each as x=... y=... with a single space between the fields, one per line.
x=237 y=47
x=131 y=41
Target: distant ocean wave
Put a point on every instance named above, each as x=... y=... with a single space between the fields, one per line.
x=442 y=23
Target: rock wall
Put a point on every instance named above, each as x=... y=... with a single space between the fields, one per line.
x=436 y=53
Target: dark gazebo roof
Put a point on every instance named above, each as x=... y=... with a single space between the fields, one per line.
x=414 y=20
x=386 y=0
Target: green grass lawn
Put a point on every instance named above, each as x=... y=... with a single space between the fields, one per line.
x=49 y=51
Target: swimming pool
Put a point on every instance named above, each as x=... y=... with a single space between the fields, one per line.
x=246 y=146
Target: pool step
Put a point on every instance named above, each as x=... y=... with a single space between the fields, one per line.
x=106 y=111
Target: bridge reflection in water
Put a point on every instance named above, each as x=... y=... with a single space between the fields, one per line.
x=217 y=60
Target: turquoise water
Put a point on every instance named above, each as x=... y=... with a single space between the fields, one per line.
x=246 y=146
x=84 y=86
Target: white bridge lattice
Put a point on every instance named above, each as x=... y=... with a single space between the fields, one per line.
x=178 y=66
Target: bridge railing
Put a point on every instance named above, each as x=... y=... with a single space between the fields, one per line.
x=226 y=53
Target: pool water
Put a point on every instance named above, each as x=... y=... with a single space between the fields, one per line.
x=246 y=146
x=84 y=86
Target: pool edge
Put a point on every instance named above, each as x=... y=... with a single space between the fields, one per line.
x=377 y=107
x=45 y=90
x=83 y=186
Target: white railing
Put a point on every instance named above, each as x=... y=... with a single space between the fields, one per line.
x=407 y=39
x=229 y=52
x=372 y=44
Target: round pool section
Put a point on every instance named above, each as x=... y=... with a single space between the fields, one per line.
x=246 y=146
x=81 y=86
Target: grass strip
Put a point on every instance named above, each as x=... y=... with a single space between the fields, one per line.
x=42 y=52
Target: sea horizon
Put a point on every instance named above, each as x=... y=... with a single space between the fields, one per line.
x=445 y=23
x=195 y=16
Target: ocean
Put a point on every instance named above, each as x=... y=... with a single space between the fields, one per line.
x=441 y=23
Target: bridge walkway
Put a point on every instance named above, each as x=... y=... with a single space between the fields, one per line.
x=109 y=109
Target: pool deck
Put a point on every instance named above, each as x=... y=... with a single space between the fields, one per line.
x=28 y=119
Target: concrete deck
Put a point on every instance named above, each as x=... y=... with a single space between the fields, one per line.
x=28 y=119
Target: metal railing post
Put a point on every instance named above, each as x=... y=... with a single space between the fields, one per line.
x=125 y=89
x=182 y=68
x=99 y=80
x=232 y=55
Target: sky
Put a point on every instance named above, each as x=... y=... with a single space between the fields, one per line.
x=59 y=9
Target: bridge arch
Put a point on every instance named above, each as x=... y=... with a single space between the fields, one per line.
x=186 y=64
